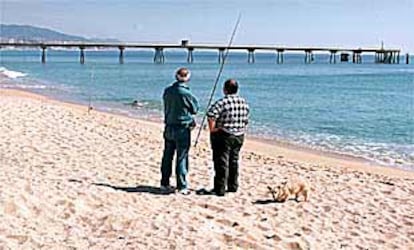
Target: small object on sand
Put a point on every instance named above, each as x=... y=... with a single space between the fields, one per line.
x=387 y=183
x=74 y=180
x=274 y=237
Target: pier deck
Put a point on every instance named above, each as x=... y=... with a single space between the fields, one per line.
x=388 y=56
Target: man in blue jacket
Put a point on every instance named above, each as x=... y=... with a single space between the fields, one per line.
x=179 y=107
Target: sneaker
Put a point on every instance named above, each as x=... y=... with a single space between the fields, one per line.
x=184 y=191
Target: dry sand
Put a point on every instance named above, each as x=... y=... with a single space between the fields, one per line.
x=70 y=179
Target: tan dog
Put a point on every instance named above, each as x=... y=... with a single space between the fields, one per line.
x=292 y=189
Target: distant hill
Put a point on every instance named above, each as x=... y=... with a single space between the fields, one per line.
x=28 y=33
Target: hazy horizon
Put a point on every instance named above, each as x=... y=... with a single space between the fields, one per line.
x=316 y=23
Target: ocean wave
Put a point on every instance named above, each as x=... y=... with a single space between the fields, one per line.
x=23 y=86
x=11 y=74
x=386 y=154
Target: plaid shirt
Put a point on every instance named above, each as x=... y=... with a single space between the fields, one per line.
x=231 y=114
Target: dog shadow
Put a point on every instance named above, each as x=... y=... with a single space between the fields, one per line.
x=265 y=202
x=269 y=201
x=137 y=189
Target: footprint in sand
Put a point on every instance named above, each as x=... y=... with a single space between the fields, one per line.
x=20 y=238
x=10 y=208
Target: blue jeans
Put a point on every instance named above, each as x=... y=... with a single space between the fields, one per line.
x=176 y=139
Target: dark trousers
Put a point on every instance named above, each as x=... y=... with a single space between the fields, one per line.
x=176 y=139
x=226 y=148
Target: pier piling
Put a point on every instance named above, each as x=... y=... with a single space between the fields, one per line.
x=43 y=54
x=190 y=58
x=387 y=57
x=159 y=55
x=221 y=55
x=121 y=54
x=356 y=57
x=332 y=57
x=377 y=57
x=279 y=57
x=308 y=56
x=82 y=55
x=250 y=58
x=407 y=58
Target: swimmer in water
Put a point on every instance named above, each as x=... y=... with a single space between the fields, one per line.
x=134 y=104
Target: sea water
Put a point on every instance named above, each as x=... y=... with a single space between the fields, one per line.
x=363 y=110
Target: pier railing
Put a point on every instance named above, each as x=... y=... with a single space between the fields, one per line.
x=385 y=56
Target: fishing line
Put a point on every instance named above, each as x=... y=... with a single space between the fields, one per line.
x=218 y=77
x=92 y=77
x=2 y=13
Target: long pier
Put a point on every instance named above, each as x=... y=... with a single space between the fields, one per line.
x=385 y=56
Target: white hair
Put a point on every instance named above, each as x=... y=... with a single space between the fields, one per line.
x=181 y=78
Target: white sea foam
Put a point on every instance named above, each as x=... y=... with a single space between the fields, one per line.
x=382 y=153
x=10 y=73
x=387 y=154
x=22 y=86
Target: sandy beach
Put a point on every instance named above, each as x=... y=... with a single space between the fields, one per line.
x=73 y=179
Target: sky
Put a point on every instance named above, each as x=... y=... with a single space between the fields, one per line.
x=334 y=23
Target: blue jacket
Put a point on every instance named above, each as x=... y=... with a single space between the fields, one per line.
x=179 y=105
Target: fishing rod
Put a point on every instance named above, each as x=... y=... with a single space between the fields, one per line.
x=213 y=90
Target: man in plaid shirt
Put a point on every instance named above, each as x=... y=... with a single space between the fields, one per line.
x=227 y=120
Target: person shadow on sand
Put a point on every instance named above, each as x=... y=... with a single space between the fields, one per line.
x=137 y=189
